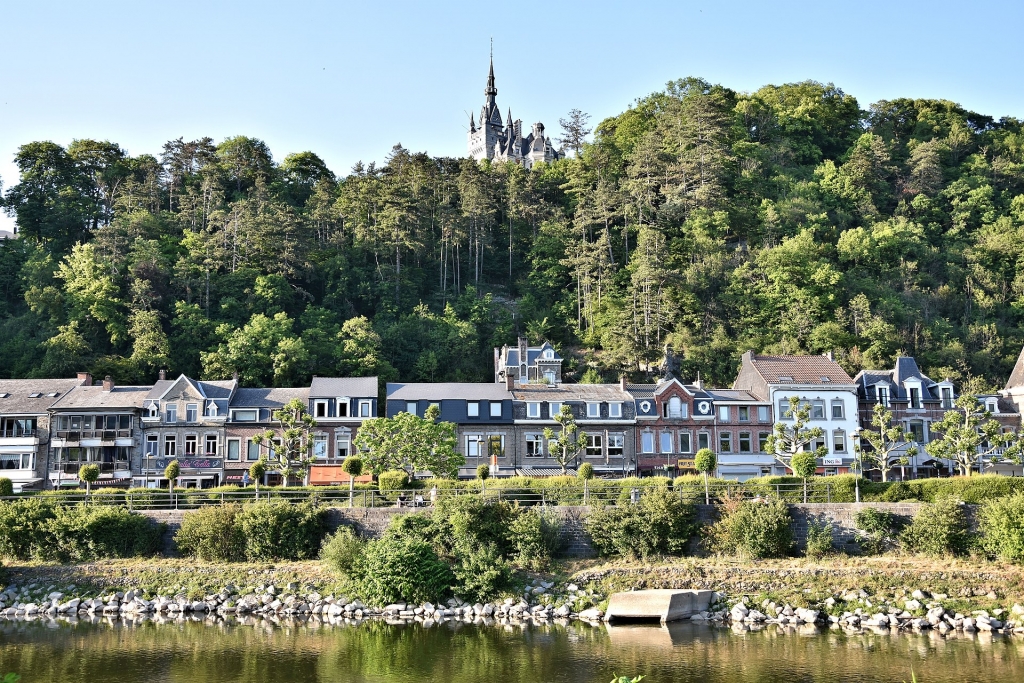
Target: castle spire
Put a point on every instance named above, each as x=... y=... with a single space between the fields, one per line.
x=472 y=123
x=490 y=91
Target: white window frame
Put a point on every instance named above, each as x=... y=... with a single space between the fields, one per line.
x=615 y=409
x=238 y=450
x=815 y=404
x=595 y=441
x=533 y=409
x=191 y=413
x=255 y=412
x=666 y=439
x=366 y=409
x=212 y=410
x=617 y=441
x=170 y=446
x=321 y=405
x=724 y=414
x=171 y=413
x=338 y=403
x=647 y=442
x=207 y=438
x=320 y=442
x=554 y=407
x=538 y=441
x=593 y=410
x=411 y=407
x=473 y=408
x=154 y=441
x=764 y=414
x=838 y=403
x=194 y=440
x=839 y=441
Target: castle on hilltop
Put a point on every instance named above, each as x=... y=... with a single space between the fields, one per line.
x=498 y=141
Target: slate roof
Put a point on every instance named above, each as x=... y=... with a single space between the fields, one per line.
x=330 y=387
x=267 y=397
x=800 y=370
x=905 y=368
x=18 y=402
x=441 y=391
x=94 y=397
x=1017 y=376
x=732 y=395
x=532 y=354
x=218 y=389
x=571 y=392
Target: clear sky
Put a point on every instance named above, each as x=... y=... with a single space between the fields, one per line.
x=348 y=80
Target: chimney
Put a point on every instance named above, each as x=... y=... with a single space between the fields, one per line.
x=234 y=375
x=108 y=383
x=829 y=355
x=510 y=380
x=162 y=375
x=622 y=382
x=85 y=379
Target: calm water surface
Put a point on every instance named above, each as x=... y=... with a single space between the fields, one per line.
x=200 y=653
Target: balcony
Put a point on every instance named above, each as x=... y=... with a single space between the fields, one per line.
x=102 y=434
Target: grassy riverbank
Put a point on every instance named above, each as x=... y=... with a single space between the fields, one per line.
x=970 y=584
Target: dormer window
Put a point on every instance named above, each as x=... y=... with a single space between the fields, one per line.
x=614 y=410
x=554 y=408
x=153 y=410
x=825 y=380
x=883 y=395
x=674 y=408
x=915 y=397
x=320 y=409
x=594 y=410
x=212 y=410
x=495 y=408
x=785 y=378
x=992 y=407
x=549 y=354
x=533 y=409
x=473 y=409
x=947 y=397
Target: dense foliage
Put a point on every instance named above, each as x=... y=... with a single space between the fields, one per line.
x=753 y=528
x=1001 y=522
x=660 y=523
x=939 y=529
x=38 y=529
x=255 y=532
x=787 y=219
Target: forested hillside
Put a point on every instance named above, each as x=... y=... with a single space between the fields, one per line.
x=787 y=220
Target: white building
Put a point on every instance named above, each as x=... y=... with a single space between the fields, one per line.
x=820 y=383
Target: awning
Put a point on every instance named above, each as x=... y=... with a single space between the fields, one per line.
x=543 y=472
x=333 y=475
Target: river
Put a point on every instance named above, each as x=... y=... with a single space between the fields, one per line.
x=262 y=652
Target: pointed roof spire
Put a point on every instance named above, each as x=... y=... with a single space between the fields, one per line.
x=509 y=120
x=490 y=91
x=472 y=123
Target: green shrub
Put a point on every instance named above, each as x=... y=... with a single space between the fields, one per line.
x=146 y=498
x=211 y=533
x=414 y=527
x=6 y=487
x=536 y=538
x=1001 y=522
x=392 y=480
x=899 y=491
x=278 y=530
x=481 y=573
x=585 y=472
x=342 y=551
x=660 y=523
x=108 y=495
x=939 y=530
x=755 y=528
x=468 y=522
x=880 y=529
x=22 y=527
x=483 y=472
x=395 y=569
x=819 y=538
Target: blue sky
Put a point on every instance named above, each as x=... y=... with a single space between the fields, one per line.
x=348 y=80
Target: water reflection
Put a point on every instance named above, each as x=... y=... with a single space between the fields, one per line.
x=256 y=650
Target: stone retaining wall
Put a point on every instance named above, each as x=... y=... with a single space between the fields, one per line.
x=371 y=522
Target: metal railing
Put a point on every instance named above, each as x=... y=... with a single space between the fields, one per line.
x=597 y=494
x=17 y=433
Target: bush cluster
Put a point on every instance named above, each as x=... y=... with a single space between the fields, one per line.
x=660 y=523
x=754 y=528
x=1001 y=522
x=938 y=529
x=880 y=530
x=819 y=538
x=6 y=487
x=37 y=529
x=468 y=546
x=254 y=532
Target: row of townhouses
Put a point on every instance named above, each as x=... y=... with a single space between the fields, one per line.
x=50 y=427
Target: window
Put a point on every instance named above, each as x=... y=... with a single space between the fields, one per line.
x=170 y=446
x=744 y=442
x=549 y=376
x=916 y=429
x=343 y=445
x=252 y=450
x=837 y=410
x=991 y=407
x=762 y=441
x=320 y=446
x=153 y=410
x=549 y=354
x=666 y=442
x=473 y=409
x=947 y=397
x=674 y=408
x=915 y=397
x=725 y=442
x=883 y=395
x=647 y=442
x=320 y=409
x=234 y=450
x=496 y=445
x=533 y=410
x=744 y=413
x=723 y=413
x=152 y=445
x=17 y=461
x=364 y=409
x=817 y=409
x=593 y=410
x=474 y=445
x=762 y=414
x=615 y=445
x=191 y=444
x=784 y=411
x=595 y=445
x=171 y=413
x=554 y=408
x=703 y=440
x=522 y=372
x=410 y=407
x=245 y=415
x=191 y=412
x=839 y=441
x=614 y=410
x=818 y=443
x=211 y=409
x=534 y=446
x=495 y=408
x=342 y=407
x=211 y=445
x=684 y=442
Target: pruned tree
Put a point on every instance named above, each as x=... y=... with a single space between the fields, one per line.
x=565 y=446
x=290 y=447
x=789 y=439
x=411 y=443
x=890 y=444
x=971 y=438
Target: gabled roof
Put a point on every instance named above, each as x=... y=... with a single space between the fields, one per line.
x=800 y=370
x=441 y=391
x=213 y=390
x=95 y=398
x=570 y=392
x=331 y=387
x=906 y=368
x=267 y=397
x=533 y=354
x=17 y=394
x=1017 y=376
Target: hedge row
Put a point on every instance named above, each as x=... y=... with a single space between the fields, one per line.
x=255 y=532
x=38 y=529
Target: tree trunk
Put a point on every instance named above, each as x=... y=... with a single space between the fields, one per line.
x=805 y=491
x=707 y=494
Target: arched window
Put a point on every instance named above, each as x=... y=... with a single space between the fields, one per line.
x=675 y=407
